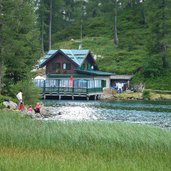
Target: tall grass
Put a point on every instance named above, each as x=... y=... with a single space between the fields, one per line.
x=27 y=144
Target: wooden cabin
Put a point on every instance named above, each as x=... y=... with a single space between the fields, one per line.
x=72 y=73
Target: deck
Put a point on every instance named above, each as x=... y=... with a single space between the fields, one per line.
x=61 y=92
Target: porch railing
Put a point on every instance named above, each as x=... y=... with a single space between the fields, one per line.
x=70 y=90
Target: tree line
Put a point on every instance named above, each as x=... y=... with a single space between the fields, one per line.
x=19 y=43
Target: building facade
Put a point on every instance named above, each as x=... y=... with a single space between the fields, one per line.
x=75 y=73
x=72 y=73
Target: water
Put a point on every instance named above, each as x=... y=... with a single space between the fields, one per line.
x=144 y=112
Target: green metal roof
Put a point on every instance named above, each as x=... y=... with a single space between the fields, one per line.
x=94 y=72
x=68 y=75
x=75 y=55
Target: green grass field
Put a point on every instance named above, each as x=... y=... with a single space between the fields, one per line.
x=32 y=145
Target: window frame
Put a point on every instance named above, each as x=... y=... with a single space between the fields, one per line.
x=67 y=66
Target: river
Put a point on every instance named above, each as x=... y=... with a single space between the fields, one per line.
x=156 y=113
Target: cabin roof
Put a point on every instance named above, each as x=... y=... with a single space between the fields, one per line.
x=77 y=56
x=94 y=72
x=121 y=77
x=68 y=75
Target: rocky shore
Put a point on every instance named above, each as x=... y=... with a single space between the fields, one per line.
x=134 y=112
x=50 y=112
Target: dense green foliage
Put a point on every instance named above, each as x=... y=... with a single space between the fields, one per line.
x=27 y=144
x=19 y=43
x=19 y=47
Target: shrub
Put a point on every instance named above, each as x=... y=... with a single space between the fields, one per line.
x=146 y=95
x=153 y=67
x=31 y=93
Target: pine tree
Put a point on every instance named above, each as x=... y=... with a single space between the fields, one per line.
x=159 y=15
x=19 y=38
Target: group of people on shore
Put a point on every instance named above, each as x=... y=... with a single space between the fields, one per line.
x=21 y=106
x=36 y=109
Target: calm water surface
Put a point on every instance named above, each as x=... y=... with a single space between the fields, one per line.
x=145 y=112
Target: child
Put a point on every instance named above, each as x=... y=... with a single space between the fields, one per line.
x=29 y=109
x=21 y=106
x=37 y=108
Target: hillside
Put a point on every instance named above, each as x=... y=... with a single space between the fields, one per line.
x=119 y=61
x=129 y=58
x=108 y=58
x=141 y=39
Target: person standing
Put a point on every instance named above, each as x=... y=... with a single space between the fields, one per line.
x=20 y=99
x=19 y=96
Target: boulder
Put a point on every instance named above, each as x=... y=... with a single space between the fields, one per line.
x=47 y=112
x=10 y=104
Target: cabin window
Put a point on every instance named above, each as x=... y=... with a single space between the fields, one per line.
x=66 y=66
x=56 y=67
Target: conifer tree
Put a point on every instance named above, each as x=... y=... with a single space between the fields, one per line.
x=159 y=15
x=19 y=37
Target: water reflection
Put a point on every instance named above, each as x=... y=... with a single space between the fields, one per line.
x=155 y=113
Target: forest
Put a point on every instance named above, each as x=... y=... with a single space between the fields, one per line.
x=125 y=36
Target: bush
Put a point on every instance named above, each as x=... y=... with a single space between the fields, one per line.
x=146 y=95
x=153 y=67
x=31 y=93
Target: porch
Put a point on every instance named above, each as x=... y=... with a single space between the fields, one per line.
x=62 y=88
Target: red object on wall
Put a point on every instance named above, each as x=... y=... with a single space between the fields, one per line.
x=71 y=81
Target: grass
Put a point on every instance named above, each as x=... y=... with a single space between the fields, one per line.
x=27 y=144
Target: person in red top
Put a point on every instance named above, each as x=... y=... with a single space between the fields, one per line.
x=21 y=106
x=37 y=108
